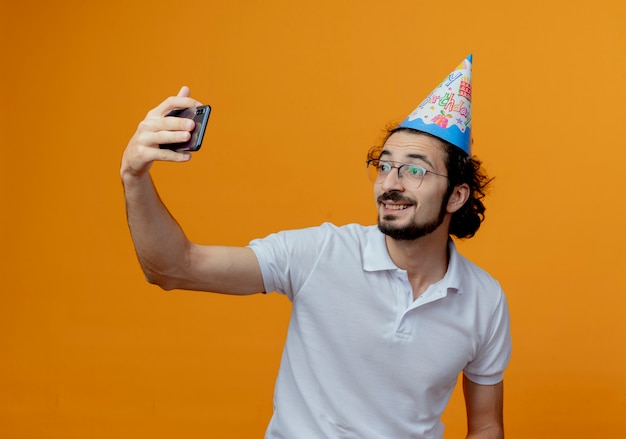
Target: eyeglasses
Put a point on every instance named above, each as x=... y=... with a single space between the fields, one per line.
x=411 y=175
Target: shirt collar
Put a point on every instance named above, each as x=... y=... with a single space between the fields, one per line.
x=376 y=258
x=375 y=254
x=452 y=278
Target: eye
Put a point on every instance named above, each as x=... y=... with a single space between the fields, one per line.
x=384 y=166
x=415 y=171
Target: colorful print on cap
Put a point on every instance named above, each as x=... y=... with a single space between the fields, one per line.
x=447 y=111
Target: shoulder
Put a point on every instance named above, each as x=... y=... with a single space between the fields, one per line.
x=320 y=234
x=309 y=244
x=475 y=283
x=469 y=273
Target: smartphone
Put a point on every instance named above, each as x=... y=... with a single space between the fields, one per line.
x=200 y=115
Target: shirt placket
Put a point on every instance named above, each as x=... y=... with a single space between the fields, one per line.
x=406 y=309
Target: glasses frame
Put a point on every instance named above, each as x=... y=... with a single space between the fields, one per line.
x=399 y=166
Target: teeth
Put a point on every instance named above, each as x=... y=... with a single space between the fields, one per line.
x=396 y=206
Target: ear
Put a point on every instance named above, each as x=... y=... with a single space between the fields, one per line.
x=460 y=194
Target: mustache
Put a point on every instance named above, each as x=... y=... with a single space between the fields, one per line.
x=395 y=197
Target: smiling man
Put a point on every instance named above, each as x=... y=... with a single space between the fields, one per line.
x=412 y=154
x=384 y=319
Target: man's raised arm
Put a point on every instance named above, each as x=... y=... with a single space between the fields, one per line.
x=167 y=257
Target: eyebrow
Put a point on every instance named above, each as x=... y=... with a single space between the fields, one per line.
x=421 y=157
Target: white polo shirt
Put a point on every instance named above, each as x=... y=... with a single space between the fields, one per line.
x=362 y=359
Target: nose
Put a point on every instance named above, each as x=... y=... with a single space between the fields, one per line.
x=392 y=182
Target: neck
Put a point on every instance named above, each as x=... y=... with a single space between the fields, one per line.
x=425 y=259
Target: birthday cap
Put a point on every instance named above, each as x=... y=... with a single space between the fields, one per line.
x=447 y=111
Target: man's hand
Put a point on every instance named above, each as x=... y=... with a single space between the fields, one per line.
x=143 y=148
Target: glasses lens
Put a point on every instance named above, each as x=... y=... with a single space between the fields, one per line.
x=411 y=175
x=413 y=171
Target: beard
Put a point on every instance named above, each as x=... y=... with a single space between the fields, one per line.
x=409 y=232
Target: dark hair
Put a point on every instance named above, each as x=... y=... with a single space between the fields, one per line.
x=461 y=168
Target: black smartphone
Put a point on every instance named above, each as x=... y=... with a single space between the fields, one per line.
x=200 y=115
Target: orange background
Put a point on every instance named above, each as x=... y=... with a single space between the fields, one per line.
x=300 y=91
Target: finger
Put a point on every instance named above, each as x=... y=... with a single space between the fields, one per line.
x=167 y=155
x=154 y=138
x=156 y=124
x=184 y=91
x=145 y=155
x=171 y=123
x=166 y=137
x=173 y=103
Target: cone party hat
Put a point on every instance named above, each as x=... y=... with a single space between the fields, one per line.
x=447 y=111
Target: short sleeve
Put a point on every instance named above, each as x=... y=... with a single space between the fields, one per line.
x=492 y=358
x=287 y=258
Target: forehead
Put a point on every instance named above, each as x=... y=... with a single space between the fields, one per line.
x=414 y=147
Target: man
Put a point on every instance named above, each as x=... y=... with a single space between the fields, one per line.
x=384 y=318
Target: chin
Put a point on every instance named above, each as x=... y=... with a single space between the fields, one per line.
x=409 y=232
